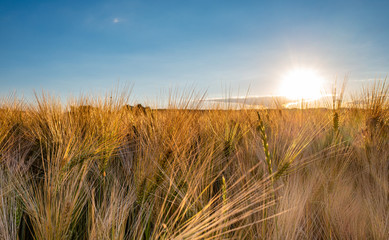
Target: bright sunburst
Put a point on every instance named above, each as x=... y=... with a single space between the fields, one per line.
x=301 y=83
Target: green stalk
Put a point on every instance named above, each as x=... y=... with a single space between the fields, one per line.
x=268 y=160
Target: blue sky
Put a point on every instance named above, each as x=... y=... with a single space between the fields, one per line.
x=73 y=47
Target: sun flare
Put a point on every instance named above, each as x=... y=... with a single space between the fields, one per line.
x=301 y=83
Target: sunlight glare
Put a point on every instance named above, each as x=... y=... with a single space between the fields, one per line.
x=301 y=84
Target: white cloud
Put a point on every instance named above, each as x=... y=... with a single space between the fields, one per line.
x=116 y=20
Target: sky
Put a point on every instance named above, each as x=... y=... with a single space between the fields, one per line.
x=75 y=47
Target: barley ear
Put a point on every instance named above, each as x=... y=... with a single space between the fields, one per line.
x=265 y=144
x=335 y=122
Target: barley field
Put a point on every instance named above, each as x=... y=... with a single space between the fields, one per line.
x=97 y=168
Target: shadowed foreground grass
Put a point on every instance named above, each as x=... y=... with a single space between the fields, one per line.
x=112 y=172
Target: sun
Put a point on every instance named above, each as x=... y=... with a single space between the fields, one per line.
x=301 y=83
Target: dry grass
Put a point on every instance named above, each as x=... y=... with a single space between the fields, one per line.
x=108 y=172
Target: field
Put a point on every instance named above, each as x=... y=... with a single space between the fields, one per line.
x=99 y=169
